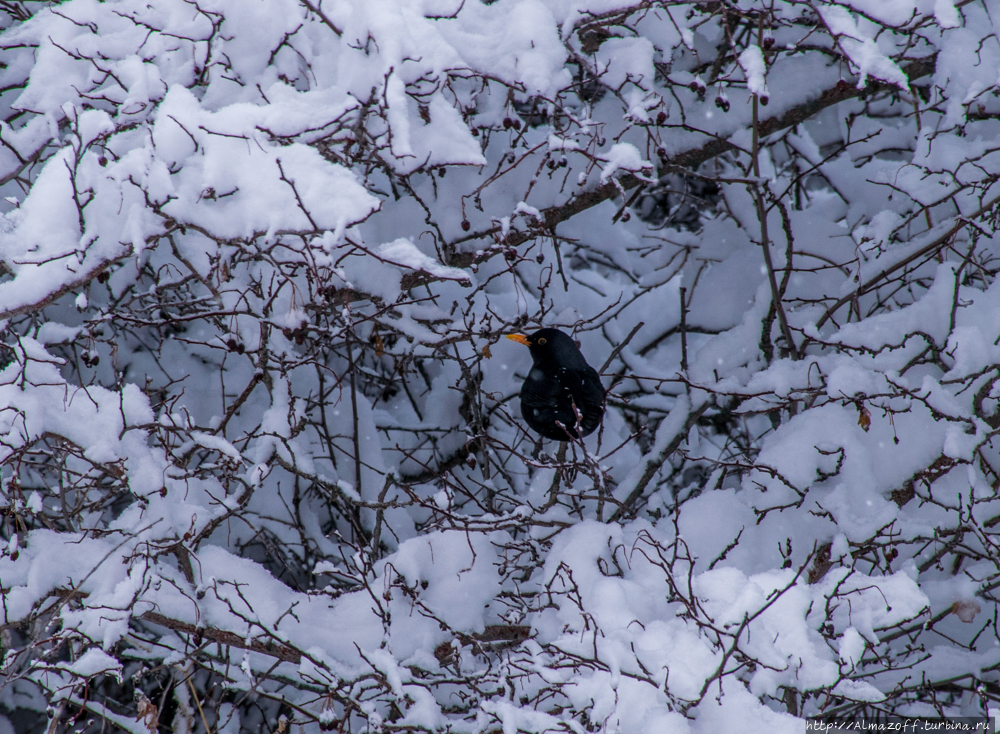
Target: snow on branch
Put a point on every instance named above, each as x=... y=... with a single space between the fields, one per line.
x=263 y=463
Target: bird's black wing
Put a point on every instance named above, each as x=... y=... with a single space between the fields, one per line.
x=543 y=402
x=588 y=394
x=564 y=401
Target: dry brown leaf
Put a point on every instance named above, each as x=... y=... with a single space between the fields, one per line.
x=864 y=418
x=486 y=351
x=147 y=713
x=966 y=609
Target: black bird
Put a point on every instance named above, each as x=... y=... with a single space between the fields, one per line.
x=562 y=396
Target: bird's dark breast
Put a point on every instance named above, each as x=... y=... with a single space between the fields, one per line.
x=547 y=400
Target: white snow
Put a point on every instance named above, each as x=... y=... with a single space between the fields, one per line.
x=257 y=261
x=752 y=63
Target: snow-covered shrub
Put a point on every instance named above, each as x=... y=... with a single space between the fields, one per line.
x=262 y=464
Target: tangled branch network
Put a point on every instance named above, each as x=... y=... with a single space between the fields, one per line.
x=263 y=463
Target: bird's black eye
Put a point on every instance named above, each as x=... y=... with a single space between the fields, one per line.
x=542 y=340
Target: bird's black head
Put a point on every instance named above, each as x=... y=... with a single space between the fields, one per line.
x=551 y=345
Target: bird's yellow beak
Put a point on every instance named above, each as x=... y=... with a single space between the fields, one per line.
x=520 y=339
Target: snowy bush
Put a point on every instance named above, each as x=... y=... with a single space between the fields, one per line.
x=262 y=464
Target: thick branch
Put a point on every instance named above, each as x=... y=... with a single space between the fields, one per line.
x=224 y=637
x=840 y=92
x=689 y=159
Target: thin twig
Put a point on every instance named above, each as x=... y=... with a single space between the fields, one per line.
x=617 y=350
x=322 y=15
